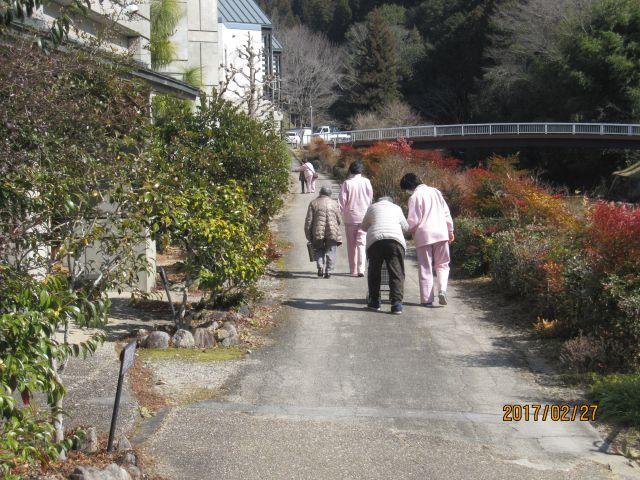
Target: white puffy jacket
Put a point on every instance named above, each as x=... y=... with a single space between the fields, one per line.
x=384 y=220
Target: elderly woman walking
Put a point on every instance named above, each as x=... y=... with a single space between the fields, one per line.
x=355 y=197
x=309 y=173
x=322 y=229
x=386 y=227
x=431 y=224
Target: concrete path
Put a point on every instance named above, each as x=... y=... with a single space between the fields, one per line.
x=348 y=393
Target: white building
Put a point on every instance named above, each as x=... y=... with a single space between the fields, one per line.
x=250 y=58
x=196 y=42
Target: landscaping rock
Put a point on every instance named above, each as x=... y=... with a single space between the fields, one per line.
x=231 y=328
x=228 y=334
x=129 y=459
x=124 y=445
x=134 y=472
x=204 y=337
x=183 y=339
x=89 y=443
x=212 y=325
x=229 y=341
x=157 y=339
x=233 y=317
x=244 y=311
x=112 y=472
x=222 y=333
x=141 y=335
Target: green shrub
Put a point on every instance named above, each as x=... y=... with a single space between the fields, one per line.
x=619 y=398
x=470 y=251
x=30 y=313
x=219 y=143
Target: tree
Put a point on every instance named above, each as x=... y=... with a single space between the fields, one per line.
x=601 y=63
x=311 y=75
x=393 y=114
x=456 y=34
x=525 y=43
x=245 y=81
x=375 y=76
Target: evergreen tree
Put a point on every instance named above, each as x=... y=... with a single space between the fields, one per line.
x=376 y=69
x=341 y=20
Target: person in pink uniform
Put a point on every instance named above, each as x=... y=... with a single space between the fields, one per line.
x=309 y=176
x=431 y=225
x=355 y=197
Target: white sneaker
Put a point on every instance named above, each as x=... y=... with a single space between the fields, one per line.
x=442 y=298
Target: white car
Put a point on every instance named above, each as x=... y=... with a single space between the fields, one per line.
x=330 y=134
x=292 y=138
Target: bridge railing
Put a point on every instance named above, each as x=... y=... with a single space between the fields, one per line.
x=481 y=129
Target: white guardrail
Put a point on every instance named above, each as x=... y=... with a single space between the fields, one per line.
x=489 y=129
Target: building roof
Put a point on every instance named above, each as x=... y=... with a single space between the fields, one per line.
x=242 y=11
x=277 y=46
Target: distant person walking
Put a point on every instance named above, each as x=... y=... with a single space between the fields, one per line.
x=355 y=197
x=386 y=227
x=310 y=176
x=303 y=181
x=431 y=224
x=322 y=229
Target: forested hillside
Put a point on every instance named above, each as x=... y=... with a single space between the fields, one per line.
x=376 y=63
x=464 y=60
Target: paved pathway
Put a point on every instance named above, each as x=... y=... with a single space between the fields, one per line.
x=348 y=393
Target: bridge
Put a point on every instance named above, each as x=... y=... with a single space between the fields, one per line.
x=496 y=135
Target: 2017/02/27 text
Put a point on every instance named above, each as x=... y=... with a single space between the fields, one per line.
x=555 y=413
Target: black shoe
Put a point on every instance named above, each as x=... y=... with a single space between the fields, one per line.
x=361 y=274
x=320 y=272
x=374 y=305
x=327 y=275
x=396 y=308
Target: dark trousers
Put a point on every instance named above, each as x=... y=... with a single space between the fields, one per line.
x=303 y=182
x=392 y=253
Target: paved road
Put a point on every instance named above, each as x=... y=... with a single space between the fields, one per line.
x=348 y=393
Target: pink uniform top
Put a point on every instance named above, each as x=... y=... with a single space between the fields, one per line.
x=355 y=197
x=429 y=217
x=307 y=169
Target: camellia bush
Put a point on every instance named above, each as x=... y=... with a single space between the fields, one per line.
x=71 y=133
x=218 y=143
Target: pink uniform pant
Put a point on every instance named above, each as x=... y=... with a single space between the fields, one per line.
x=356 y=248
x=436 y=255
x=311 y=184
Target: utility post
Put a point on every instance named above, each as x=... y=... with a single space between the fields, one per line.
x=311 y=114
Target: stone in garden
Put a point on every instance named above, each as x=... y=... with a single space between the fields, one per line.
x=204 y=337
x=228 y=335
x=183 y=339
x=231 y=328
x=157 y=339
x=88 y=443
x=117 y=472
x=212 y=325
x=222 y=333
x=129 y=459
x=112 y=472
x=124 y=445
x=229 y=341
x=141 y=335
x=244 y=311
x=134 y=472
x=233 y=317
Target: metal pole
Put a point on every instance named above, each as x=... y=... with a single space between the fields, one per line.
x=116 y=409
x=165 y=283
x=311 y=110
